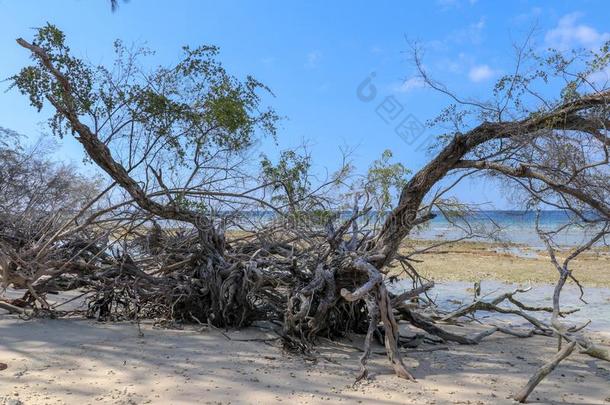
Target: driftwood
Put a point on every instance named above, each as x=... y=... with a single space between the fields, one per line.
x=11 y=308
x=399 y=299
x=543 y=371
x=596 y=351
x=492 y=306
x=177 y=248
x=428 y=325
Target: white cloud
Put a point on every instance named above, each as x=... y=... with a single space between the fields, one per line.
x=464 y=64
x=480 y=73
x=528 y=17
x=569 y=33
x=313 y=59
x=446 y=5
x=469 y=34
x=473 y=33
x=268 y=61
x=456 y=65
x=408 y=85
x=600 y=78
x=323 y=87
x=478 y=25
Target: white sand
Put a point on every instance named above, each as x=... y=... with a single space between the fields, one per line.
x=85 y=362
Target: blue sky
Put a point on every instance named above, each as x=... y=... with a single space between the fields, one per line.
x=314 y=55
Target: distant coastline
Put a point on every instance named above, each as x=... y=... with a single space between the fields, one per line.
x=498 y=226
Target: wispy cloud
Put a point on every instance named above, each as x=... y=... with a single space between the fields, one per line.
x=313 y=59
x=447 y=4
x=600 y=78
x=268 y=61
x=481 y=73
x=456 y=64
x=570 y=33
x=473 y=33
x=408 y=85
x=450 y=4
x=528 y=17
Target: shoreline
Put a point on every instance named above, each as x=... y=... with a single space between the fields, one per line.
x=473 y=261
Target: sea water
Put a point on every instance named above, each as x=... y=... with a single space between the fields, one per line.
x=514 y=227
x=451 y=295
x=517 y=227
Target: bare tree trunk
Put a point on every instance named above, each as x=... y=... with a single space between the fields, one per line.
x=543 y=372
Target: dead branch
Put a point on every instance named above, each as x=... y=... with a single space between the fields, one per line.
x=543 y=371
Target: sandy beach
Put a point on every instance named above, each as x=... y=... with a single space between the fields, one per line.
x=72 y=361
x=476 y=261
x=84 y=362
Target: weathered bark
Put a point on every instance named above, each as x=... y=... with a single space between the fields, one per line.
x=399 y=299
x=373 y=310
x=378 y=300
x=595 y=351
x=402 y=218
x=391 y=335
x=102 y=156
x=420 y=322
x=543 y=371
x=11 y=308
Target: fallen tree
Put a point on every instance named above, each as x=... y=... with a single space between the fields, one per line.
x=181 y=237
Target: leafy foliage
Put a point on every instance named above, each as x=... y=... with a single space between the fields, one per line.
x=288 y=177
x=385 y=180
x=190 y=110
